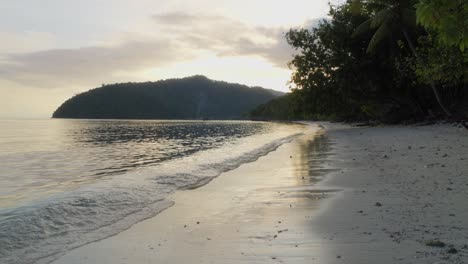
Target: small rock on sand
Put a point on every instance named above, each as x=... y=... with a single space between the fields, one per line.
x=435 y=243
x=452 y=250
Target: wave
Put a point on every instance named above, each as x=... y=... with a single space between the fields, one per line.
x=42 y=232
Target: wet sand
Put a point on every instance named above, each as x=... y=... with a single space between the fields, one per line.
x=341 y=195
x=257 y=213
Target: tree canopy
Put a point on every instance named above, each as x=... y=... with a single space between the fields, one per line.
x=448 y=17
x=380 y=60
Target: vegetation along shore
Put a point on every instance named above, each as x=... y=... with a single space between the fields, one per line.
x=383 y=60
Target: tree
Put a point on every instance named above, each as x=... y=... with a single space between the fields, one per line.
x=328 y=70
x=344 y=70
x=390 y=17
x=449 y=18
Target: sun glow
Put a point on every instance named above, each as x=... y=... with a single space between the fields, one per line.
x=238 y=41
x=251 y=71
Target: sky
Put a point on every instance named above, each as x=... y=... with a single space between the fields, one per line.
x=51 y=50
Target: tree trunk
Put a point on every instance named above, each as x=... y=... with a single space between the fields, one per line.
x=431 y=82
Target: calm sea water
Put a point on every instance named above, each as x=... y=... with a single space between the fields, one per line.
x=65 y=183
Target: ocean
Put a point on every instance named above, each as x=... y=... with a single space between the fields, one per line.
x=65 y=183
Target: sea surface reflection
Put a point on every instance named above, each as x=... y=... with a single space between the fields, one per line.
x=47 y=156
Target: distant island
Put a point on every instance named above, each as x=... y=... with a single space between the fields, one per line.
x=195 y=97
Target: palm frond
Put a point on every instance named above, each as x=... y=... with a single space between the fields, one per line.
x=362 y=28
x=379 y=35
x=382 y=17
x=377 y=5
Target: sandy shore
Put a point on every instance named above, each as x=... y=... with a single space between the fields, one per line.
x=403 y=187
x=340 y=195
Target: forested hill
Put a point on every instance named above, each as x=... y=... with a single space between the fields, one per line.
x=195 y=97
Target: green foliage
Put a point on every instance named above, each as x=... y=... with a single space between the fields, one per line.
x=449 y=18
x=281 y=108
x=446 y=65
x=365 y=63
x=333 y=73
x=195 y=97
x=388 y=18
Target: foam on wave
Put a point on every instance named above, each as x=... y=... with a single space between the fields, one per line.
x=42 y=232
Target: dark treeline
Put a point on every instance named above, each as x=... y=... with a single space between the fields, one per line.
x=386 y=60
x=194 y=97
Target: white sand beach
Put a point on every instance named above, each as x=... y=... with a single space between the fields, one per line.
x=335 y=195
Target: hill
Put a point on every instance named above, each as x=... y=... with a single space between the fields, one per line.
x=195 y=97
x=279 y=108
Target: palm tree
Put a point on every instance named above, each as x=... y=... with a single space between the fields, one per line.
x=393 y=16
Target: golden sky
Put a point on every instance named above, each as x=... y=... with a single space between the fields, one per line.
x=53 y=49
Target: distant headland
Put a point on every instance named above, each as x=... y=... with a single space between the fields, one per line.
x=195 y=97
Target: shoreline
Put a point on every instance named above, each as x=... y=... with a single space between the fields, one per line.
x=315 y=201
x=250 y=206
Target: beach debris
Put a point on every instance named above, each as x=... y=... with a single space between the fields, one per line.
x=290 y=157
x=429 y=165
x=338 y=257
x=449 y=189
x=465 y=124
x=208 y=238
x=434 y=243
x=275 y=236
x=452 y=250
x=378 y=204
x=281 y=231
x=385 y=156
x=185 y=226
x=198 y=223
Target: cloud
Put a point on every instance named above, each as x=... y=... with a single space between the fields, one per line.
x=228 y=37
x=89 y=64
x=180 y=37
x=28 y=41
